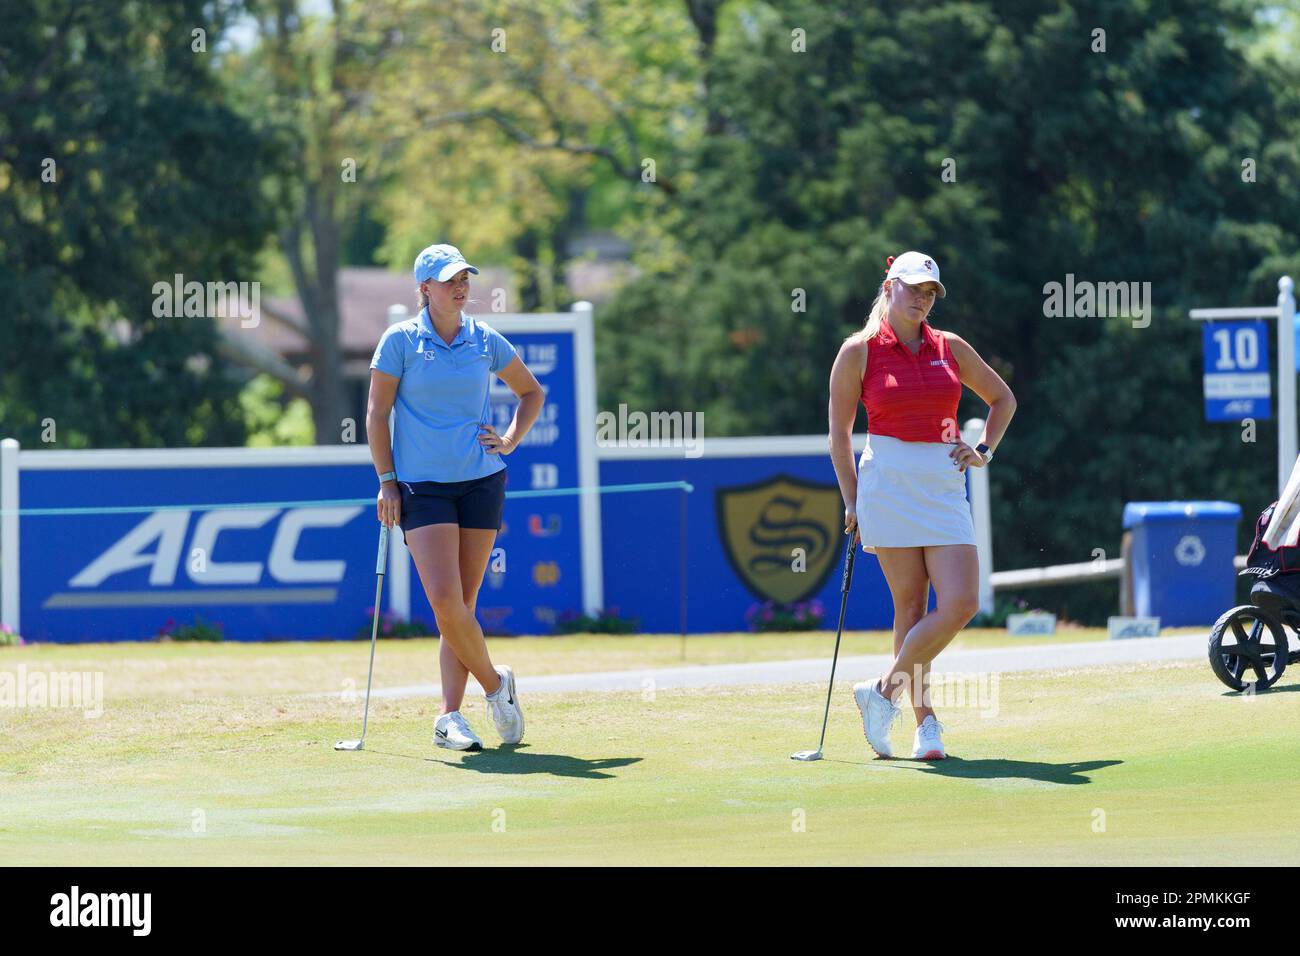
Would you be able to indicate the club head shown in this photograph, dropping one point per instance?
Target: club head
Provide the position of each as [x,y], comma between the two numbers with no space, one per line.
[807,755]
[350,745]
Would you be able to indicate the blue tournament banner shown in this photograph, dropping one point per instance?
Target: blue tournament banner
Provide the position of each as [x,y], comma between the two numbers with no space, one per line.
[749,510]
[1236,370]
[262,572]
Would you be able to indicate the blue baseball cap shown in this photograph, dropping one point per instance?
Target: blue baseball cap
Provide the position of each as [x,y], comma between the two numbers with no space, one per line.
[440,263]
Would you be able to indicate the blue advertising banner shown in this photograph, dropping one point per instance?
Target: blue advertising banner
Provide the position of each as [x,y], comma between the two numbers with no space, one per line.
[742,524]
[261,572]
[1236,365]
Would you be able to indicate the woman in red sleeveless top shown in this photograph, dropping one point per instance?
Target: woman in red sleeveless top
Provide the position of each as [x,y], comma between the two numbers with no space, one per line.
[907,499]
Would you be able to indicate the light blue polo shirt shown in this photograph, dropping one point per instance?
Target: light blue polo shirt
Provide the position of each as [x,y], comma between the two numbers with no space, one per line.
[442,397]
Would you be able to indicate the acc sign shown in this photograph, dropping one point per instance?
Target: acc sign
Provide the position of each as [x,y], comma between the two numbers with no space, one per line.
[158,541]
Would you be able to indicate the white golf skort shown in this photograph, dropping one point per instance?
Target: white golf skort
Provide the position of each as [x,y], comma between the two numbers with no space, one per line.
[910,493]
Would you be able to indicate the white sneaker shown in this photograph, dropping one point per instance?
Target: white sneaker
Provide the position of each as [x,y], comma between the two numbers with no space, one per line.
[452,732]
[927,745]
[878,715]
[506,712]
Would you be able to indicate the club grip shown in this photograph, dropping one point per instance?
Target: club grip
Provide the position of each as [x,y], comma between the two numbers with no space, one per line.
[381,562]
[850,553]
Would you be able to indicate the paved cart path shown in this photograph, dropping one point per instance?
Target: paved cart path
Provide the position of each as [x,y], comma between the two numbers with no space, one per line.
[1038,657]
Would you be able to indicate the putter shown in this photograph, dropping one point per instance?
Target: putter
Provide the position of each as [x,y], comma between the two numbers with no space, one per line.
[851,553]
[380,563]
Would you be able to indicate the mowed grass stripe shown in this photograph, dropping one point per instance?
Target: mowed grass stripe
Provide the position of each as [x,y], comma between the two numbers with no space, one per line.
[1182,772]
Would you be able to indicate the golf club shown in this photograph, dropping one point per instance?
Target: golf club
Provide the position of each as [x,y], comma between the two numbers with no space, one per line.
[849,555]
[380,563]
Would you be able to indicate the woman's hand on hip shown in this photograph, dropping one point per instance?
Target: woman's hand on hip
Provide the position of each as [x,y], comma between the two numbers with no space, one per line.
[389,504]
[963,456]
[493,443]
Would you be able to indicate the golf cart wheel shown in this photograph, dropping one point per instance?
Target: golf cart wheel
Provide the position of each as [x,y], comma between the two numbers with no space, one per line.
[1248,646]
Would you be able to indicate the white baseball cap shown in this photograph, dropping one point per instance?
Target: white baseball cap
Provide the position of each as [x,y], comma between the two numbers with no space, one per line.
[915,268]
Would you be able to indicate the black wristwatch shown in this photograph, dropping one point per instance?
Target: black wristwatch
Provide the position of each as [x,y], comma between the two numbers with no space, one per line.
[984,452]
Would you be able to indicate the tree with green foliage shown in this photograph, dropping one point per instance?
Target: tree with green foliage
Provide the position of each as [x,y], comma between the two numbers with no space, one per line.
[500,126]
[518,124]
[1017,144]
[120,167]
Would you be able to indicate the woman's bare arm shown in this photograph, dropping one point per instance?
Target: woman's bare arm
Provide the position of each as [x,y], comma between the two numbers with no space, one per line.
[981,379]
[528,390]
[842,412]
[383,392]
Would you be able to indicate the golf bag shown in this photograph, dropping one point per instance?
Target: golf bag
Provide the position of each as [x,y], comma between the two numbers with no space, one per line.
[1276,570]
[1265,562]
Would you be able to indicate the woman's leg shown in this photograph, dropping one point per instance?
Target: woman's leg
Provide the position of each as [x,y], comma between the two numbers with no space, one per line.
[954,571]
[436,550]
[904,621]
[909,585]
[453,676]
[475,551]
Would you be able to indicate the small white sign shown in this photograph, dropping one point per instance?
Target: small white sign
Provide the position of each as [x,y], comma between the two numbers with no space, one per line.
[1120,628]
[1022,625]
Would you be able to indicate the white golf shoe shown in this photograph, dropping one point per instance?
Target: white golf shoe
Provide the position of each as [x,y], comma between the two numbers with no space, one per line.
[878,715]
[504,705]
[928,745]
[452,732]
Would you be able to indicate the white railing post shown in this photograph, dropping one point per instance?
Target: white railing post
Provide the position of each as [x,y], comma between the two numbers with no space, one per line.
[982,515]
[1286,412]
[584,360]
[1284,312]
[9,560]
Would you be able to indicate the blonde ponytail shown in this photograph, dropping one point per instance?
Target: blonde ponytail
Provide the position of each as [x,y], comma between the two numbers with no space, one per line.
[879,309]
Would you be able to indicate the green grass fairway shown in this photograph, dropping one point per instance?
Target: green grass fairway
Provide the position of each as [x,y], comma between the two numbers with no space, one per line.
[210,755]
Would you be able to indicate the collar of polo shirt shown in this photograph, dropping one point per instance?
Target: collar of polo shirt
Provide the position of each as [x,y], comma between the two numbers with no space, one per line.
[427,330]
[889,337]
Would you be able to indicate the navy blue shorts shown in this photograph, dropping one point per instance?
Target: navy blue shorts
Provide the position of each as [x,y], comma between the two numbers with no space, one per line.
[476,503]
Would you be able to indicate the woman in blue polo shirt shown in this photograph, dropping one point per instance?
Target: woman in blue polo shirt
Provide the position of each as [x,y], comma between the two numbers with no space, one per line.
[442,474]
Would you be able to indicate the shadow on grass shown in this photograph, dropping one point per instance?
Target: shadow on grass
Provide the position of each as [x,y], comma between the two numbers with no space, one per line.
[1062,773]
[519,760]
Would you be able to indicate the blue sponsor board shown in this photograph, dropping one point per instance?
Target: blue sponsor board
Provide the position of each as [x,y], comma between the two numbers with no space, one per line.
[1236,371]
[263,572]
[757,527]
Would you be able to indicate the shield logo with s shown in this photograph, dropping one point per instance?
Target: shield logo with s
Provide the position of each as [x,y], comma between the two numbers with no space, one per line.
[762,524]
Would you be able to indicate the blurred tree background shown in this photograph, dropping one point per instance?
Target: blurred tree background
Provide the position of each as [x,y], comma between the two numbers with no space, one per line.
[120,166]
[761,159]
[1123,165]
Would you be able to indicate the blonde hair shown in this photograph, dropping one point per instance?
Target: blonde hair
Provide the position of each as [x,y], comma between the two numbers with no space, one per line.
[879,309]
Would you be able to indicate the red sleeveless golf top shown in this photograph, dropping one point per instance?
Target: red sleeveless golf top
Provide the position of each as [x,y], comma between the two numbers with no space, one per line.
[911,397]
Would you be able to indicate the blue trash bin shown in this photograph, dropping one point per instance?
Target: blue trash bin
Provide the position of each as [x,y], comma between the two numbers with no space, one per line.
[1181,553]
